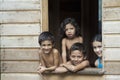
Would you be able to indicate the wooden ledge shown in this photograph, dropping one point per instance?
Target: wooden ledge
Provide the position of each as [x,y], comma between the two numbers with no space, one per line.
[86,71]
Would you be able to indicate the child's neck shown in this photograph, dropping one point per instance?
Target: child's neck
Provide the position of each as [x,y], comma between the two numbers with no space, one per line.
[72,38]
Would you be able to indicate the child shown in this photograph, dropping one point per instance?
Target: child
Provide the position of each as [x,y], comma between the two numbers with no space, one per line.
[97,48]
[70,34]
[77,60]
[49,56]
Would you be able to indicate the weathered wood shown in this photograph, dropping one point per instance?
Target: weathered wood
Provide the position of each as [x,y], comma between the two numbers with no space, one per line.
[111,54]
[19,0]
[111,40]
[17,5]
[20,54]
[111,27]
[86,71]
[44,19]
[19,41]
[20,29]
[20,17]
[18,76]
[112,67]
[73,76]
[19,66]
[111,3]
[111,14]
[112,77]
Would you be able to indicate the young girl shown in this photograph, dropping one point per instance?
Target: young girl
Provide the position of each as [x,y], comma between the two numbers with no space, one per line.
[77,60]
[97,48]
[70,34]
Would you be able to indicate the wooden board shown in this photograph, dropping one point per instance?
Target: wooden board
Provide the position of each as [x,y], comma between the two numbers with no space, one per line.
[111,54]
[20,5]
[112,67]
[111,40]
[20,29]
[73,76]
[19,0]
[20,54]
[111,3]
[19,41]
[19,66]
[111,27]
[111,14]
[19,76]
[44,20]
[20,17]
[112,77]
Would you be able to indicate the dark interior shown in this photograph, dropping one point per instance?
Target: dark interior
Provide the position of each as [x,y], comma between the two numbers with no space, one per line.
[84,11]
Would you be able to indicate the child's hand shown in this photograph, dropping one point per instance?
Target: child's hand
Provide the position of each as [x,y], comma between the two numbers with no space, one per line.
[61,65]
[41,70]
[39,67]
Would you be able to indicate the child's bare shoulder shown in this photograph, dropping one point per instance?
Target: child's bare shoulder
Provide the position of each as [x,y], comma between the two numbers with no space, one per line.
[55,51]
[64,39]
[40,51]
[86,62]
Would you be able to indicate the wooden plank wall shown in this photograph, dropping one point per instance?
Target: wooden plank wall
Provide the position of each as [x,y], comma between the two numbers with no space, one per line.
[111,38]
[20,25]
[21,21]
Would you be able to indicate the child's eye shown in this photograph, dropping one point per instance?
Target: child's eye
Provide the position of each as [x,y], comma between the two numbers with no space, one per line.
[71,28]
[42,44]
[79,57]
[99,46]
[73,56]
[94,47]
[49,44]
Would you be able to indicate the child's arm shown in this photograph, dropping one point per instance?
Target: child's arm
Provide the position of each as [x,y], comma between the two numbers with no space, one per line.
[60,70]
[56,59]
[81,39]
[78,67]
[42,63]
[64,51]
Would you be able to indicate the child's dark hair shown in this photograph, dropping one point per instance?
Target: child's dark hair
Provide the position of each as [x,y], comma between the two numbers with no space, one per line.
[71,21]
[92,57]
[78,46]
[46,36]
[97,37]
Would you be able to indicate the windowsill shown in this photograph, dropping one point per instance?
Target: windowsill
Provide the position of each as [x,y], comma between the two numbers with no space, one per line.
[86,71]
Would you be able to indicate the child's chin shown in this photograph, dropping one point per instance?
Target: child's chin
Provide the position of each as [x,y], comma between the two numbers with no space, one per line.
[46,52]
[99,55]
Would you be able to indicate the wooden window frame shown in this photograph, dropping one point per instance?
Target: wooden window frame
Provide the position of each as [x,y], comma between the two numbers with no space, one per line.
[45,27]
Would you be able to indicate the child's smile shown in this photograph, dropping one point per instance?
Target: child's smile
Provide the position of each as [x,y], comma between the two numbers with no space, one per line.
[46,46]
[97,47]
[76,57]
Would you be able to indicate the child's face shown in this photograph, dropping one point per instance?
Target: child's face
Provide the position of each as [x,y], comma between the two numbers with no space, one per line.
[70,31]
[46,46]
[97,47]
[76,57]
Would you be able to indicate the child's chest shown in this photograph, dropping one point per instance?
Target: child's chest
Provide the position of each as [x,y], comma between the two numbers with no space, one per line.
[49,59]
[69,43]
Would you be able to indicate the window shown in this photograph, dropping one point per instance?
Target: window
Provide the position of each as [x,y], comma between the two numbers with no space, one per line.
[87,13]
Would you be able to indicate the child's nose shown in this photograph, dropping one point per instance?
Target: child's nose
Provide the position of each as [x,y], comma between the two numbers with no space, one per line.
[76,58]
[46,47]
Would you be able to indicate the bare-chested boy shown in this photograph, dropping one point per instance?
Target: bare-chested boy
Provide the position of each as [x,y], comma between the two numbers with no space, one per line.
[77,61]
[49,56]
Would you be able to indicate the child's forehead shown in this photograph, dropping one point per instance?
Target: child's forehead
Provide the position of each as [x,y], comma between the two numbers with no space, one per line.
[46,41]
[76,51]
